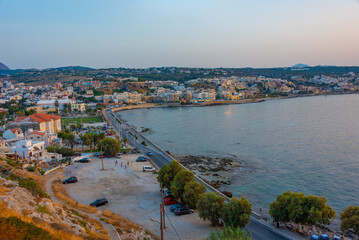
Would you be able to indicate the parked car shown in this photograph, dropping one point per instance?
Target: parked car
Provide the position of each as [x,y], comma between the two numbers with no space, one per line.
[141,159]
[148,169]
[169,201]
[84,160]
[70,180]
[99,202]
[118,155]
[97,154]
[149,153]
[175,206]
[135,150]
[169,195]
[183,210]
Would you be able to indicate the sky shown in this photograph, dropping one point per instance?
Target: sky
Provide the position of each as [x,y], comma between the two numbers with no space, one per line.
[182,33]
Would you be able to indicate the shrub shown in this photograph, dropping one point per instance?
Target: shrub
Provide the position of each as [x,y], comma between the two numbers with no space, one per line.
[31,168]
[15,228]
[30,185]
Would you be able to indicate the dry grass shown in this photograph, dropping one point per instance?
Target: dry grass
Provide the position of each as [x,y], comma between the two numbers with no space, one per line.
[60,192]
[124,224]
[65,232]
[4,190]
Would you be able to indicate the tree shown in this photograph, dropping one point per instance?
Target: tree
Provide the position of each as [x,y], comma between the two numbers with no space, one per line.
[110,146]
[278,209]
[181,179]
[57,105]
[317,211]
[192,192]
[229,233]
[125,141]
[236,213]
[167,174]
[301,209]
[210,206]
[88,139]
[350,219]
[67,137]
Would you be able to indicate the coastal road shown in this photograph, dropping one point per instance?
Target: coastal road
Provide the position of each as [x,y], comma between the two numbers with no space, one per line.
[259,230]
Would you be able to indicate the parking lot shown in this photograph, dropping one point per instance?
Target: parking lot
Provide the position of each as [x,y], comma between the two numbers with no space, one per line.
[133,194]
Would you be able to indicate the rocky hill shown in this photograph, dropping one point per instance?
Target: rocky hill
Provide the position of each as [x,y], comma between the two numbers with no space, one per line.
[28,212]
[3,66]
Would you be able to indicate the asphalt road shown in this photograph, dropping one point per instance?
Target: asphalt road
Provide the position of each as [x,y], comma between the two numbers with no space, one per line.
[259,230]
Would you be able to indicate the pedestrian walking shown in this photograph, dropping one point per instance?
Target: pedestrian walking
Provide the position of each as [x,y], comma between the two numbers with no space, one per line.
[116,163]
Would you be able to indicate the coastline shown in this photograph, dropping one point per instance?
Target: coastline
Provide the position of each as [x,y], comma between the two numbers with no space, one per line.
[219,102]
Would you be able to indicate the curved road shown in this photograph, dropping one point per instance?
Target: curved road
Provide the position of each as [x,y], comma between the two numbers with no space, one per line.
[259,230]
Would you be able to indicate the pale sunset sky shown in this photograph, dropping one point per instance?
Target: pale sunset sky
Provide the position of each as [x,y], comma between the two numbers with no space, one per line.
[183,33]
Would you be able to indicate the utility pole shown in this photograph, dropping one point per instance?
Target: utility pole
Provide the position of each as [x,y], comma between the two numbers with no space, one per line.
[102,156]
[161,207]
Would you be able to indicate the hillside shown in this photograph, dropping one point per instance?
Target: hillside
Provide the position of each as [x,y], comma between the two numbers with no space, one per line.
[28,212]
[3,66]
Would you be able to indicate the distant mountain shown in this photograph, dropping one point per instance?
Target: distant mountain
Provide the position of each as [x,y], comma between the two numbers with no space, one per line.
[75,68]
[3,66]
[300,65]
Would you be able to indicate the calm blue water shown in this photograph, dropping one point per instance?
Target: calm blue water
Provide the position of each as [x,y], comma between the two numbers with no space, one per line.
[306,144]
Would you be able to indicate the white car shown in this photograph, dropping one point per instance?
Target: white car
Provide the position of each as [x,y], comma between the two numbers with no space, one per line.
[148,169]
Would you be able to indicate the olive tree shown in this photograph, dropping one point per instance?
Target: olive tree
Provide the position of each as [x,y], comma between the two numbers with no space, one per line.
[192,192]
[210,207]
[236,213]
[350,219]
[167,174]
[179,182]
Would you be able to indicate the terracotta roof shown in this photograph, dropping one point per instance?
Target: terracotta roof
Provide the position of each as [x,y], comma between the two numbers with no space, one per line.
[37,133]
[16,130]
[38,117]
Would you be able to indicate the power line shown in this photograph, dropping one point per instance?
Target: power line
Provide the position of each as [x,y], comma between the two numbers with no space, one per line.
[173,226]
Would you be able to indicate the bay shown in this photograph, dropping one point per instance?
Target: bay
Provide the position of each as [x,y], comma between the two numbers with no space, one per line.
[308,144]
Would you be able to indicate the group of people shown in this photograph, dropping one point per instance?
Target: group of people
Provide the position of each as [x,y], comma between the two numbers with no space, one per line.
[126,164]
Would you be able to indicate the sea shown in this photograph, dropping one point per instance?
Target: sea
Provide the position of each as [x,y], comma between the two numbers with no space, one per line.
[304,144]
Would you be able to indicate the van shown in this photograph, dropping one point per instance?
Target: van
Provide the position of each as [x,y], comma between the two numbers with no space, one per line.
[148,169]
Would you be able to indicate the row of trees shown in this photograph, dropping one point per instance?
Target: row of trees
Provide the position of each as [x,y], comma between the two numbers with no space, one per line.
[311,210]
[301,209]
[211,206]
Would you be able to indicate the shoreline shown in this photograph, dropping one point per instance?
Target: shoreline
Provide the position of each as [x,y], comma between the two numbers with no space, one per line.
[219,102]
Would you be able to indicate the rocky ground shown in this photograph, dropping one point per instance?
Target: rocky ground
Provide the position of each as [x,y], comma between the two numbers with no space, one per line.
[216,171]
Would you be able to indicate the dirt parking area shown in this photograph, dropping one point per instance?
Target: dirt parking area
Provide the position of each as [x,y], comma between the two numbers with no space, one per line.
[133,194]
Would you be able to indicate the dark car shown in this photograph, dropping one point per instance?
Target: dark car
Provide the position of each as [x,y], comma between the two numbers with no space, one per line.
[135,150]
[175,206]
[84,160]
[141,159]
[70,180]
[149,153]
[183,210]
[99,202]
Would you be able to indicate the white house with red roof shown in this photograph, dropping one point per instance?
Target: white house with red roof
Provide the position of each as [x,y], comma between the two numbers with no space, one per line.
[13,133]
[40,136]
